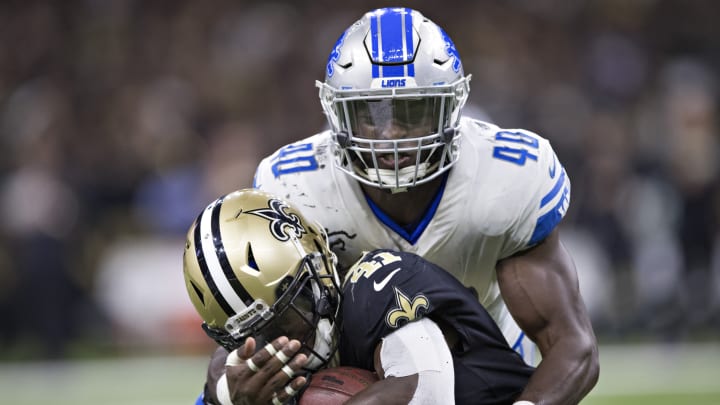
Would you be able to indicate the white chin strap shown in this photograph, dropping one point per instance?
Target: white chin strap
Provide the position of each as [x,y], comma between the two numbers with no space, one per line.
[405,176]
[323,345]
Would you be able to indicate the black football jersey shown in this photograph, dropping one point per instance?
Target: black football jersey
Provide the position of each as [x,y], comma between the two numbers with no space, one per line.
[387,289]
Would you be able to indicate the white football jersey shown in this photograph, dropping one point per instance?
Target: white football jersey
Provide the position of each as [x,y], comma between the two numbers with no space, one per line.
[506,192]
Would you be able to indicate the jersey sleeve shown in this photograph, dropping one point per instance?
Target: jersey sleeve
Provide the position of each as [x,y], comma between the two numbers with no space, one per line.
[555,199]
[542,199]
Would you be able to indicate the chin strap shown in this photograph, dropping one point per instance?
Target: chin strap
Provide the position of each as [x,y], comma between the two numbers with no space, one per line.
[405,175]
[323,345]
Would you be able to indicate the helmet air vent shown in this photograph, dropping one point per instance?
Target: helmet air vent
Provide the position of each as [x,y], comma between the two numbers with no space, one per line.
[198,292]
[251,258]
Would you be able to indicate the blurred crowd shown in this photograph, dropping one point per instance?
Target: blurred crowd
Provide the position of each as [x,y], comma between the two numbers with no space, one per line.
[121,119]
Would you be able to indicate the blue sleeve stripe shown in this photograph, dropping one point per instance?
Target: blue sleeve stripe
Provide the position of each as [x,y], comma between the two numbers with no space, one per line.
[200,400]
[555,190]
[518,347]
[546,223]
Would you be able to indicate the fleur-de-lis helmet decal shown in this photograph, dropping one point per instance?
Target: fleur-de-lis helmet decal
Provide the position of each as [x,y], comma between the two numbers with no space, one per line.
[283,224]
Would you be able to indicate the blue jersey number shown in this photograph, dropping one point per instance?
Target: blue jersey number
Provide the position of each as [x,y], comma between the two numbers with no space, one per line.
[517,147]
[293,159]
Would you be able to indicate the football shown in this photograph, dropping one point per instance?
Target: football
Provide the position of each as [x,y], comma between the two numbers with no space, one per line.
[336,385]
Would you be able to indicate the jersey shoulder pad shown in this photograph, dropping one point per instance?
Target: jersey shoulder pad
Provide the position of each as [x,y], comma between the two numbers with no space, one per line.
[305,158]
[523,177]
[383,291]
[375,266]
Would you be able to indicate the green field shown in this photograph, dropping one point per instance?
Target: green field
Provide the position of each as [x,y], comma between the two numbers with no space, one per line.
[637,375]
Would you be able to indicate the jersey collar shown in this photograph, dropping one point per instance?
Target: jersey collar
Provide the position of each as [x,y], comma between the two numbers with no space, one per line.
[414,230]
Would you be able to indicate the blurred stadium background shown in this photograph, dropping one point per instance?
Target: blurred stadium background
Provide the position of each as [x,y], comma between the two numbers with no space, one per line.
[120,120]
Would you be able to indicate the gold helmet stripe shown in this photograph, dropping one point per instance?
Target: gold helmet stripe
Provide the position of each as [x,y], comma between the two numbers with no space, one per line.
[215,273]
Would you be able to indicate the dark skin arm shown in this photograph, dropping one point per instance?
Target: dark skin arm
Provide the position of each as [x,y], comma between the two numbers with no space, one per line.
[540,288]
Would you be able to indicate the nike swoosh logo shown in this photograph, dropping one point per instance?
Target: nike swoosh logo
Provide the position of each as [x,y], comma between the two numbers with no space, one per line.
[379,286]
[552,169]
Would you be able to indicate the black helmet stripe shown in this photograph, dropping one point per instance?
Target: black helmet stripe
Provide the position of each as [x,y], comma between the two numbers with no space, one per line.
[199,253]
[219,277]
[222,257]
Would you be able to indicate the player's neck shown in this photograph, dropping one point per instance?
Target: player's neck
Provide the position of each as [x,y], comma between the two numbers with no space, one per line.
[405,207]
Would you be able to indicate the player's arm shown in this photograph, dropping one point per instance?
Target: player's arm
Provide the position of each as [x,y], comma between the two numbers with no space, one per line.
[414,365]
[540,288]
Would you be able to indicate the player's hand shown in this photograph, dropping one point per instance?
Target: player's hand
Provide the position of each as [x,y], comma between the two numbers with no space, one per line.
[267,376]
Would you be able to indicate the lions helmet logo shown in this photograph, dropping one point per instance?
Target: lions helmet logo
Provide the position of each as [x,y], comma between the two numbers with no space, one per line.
[335,55]
[451,51]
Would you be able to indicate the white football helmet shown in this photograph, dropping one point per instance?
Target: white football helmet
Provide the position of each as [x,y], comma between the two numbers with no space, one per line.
[393,93]
[254,266]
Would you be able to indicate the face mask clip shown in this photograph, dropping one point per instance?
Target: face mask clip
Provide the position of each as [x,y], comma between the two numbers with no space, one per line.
[249,320]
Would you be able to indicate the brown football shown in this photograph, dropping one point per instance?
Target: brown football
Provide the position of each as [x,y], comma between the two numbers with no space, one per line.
[335,386]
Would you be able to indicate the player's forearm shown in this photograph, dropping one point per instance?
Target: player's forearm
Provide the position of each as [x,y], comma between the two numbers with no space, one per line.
[566,374]
[216,369]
